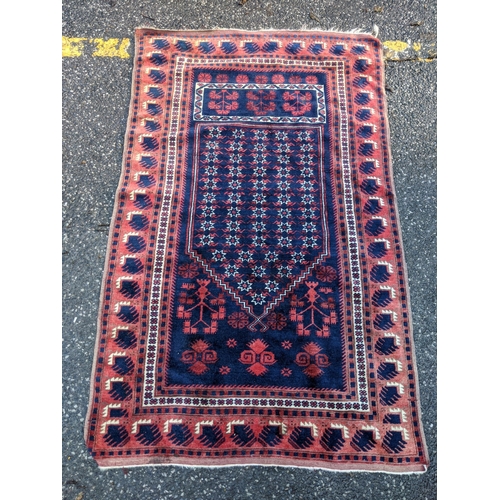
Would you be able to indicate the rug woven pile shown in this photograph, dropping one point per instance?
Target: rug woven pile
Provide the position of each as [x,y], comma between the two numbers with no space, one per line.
[254,306]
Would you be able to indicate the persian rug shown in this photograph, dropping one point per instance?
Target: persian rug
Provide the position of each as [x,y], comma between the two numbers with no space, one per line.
[254,306]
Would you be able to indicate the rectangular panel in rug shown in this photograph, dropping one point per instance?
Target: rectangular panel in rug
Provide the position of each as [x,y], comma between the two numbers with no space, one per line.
[254,304]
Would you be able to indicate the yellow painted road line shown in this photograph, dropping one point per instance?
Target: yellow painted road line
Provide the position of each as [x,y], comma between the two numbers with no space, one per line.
[395,45]
[72,47]
[397,50]
[113,47]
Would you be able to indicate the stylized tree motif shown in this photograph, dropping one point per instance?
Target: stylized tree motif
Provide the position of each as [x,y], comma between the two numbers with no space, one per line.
[200,301]
[307,313]
[298,103]
[223,101]
[259,101]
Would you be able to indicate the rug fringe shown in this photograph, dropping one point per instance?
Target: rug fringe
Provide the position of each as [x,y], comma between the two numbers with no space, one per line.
[294,467]
[357,31]
[354,31]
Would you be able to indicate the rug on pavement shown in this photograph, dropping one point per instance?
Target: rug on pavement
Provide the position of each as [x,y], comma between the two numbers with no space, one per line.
[254,306]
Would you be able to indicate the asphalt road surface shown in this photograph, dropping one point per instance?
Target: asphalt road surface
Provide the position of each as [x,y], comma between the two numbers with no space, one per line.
[97,70]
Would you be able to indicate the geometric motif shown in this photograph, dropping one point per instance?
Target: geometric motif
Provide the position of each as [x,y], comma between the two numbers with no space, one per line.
[254,306]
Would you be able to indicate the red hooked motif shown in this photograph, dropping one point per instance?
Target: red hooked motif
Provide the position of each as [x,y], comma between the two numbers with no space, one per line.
[257,357]
[199,356]
[312,360]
